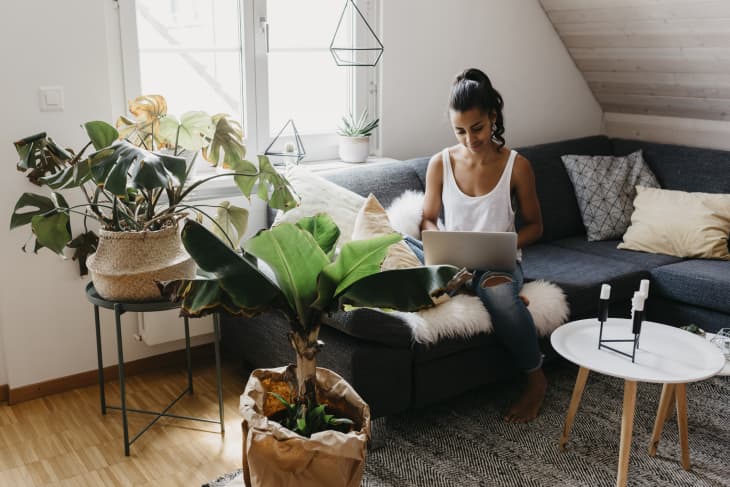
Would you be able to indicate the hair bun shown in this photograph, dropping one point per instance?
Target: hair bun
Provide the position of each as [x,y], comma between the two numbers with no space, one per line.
[474,74]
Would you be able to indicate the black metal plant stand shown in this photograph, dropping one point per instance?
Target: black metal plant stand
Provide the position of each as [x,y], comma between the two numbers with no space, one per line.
[119,309]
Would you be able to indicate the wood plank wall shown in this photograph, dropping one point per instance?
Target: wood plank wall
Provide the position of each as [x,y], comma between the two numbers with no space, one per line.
[655,58]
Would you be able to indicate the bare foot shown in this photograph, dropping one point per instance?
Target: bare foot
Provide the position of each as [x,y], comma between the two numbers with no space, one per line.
[527,407]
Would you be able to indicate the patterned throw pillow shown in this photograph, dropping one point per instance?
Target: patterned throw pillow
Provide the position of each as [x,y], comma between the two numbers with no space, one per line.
[605,187]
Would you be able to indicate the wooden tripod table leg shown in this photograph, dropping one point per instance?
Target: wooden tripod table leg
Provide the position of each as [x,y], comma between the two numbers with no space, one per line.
[665,407]
[580,384]
[681,393]
[627,426]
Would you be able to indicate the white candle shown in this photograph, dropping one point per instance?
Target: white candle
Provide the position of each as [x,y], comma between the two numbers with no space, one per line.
[605,291]
[644,288]
[638,301]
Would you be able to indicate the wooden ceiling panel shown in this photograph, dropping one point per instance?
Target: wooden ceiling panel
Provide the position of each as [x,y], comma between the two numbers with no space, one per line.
[655,57]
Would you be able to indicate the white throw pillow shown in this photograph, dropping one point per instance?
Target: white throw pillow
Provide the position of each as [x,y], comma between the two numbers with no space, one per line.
[689,225]
[372,221]
[321,196]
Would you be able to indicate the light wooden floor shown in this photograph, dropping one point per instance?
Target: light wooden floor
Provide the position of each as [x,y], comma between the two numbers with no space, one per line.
[63,439]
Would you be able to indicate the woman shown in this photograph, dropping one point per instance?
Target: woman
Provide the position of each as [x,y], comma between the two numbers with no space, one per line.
[475,181]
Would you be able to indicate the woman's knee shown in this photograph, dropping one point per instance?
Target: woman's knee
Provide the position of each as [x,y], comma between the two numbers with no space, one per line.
[495,288]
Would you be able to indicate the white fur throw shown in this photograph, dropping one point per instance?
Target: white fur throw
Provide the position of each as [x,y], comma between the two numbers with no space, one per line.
[405,213]
[464,315]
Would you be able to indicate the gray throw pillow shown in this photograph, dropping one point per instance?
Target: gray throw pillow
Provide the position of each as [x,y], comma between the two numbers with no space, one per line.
[605,187]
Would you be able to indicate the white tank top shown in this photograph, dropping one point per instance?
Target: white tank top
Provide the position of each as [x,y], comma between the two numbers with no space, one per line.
[490,212]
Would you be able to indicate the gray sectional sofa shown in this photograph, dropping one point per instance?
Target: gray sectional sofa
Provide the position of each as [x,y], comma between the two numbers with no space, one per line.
[374,350]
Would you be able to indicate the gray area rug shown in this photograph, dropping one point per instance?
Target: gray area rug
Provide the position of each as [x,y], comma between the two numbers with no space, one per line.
[464,442]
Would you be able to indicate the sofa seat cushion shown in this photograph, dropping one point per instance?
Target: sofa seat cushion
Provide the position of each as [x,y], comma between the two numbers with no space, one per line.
[372,325]
[607,248]
[704,283]
[580,275]
[449,346]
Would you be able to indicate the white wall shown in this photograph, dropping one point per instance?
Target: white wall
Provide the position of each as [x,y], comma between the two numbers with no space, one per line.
[3,369]
[45,321]
[428,42]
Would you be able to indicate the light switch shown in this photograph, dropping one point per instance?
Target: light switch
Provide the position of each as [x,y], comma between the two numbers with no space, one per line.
[51,98]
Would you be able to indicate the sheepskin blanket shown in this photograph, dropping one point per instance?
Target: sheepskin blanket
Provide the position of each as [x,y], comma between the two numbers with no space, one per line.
[465,315]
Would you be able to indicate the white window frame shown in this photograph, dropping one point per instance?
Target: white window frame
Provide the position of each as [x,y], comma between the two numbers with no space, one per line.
[362,81]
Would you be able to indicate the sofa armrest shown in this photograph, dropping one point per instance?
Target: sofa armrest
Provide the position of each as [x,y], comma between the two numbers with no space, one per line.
[372,325]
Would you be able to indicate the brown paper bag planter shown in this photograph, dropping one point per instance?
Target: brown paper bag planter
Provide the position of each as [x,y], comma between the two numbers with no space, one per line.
[275,455]
[127,264]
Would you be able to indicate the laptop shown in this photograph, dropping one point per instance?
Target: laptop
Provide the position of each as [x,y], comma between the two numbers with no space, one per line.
[495,251]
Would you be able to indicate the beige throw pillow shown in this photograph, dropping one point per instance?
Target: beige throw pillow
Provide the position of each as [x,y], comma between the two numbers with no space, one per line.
[321,196]
[678,223]
[372,221]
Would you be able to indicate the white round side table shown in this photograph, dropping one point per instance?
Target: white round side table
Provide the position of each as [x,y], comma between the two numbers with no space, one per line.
[666,355]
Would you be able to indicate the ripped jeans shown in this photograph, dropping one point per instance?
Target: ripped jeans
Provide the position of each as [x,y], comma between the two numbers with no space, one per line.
[512,322]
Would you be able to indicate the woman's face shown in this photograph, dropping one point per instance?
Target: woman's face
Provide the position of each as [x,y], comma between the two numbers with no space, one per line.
[473,128]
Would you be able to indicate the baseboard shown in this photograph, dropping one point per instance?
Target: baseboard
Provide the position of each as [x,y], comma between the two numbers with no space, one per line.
[4,392]
[89,378]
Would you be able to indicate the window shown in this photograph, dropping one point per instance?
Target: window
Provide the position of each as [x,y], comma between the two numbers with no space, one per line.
[262,61]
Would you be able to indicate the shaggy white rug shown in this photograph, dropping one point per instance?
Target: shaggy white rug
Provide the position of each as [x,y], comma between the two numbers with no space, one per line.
[464,315]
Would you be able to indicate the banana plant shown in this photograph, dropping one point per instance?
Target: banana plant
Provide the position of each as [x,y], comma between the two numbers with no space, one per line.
[145,157]
[305,281]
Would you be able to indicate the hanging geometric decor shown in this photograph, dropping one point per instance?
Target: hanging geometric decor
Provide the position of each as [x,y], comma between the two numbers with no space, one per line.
[286,147]
[354,42]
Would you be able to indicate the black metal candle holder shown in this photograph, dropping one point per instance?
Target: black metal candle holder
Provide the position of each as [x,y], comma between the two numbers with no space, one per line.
[635,329]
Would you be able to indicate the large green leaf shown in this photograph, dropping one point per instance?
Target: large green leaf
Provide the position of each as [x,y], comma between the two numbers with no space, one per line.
[323,228]
[232,221]
[71,177]
[53,230]
[357,259]
[244,183]
[38,205]
[246,286]
[401,289]
[84,245]
[192,132]
[201,296]
[282,193]
[41,155]
[101,134]
[124,164]
[227,142]
[296,259]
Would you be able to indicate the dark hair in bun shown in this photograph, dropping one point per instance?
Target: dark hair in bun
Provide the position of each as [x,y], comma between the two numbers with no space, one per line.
[472,89]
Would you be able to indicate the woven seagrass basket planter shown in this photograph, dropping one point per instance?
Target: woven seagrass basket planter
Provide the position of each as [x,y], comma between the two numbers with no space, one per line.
[126,265]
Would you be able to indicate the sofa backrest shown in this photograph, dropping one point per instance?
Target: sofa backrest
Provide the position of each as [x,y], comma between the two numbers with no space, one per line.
[680,167]
[560,213]
[386,180]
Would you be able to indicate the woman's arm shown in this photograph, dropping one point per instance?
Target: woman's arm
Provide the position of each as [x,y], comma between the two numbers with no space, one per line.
[432,199]
[523,182]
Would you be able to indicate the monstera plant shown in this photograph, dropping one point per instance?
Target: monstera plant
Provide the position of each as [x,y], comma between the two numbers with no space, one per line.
[293,269]
[137,177]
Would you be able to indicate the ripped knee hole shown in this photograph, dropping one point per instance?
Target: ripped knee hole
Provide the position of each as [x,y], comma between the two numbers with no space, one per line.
[492,281]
